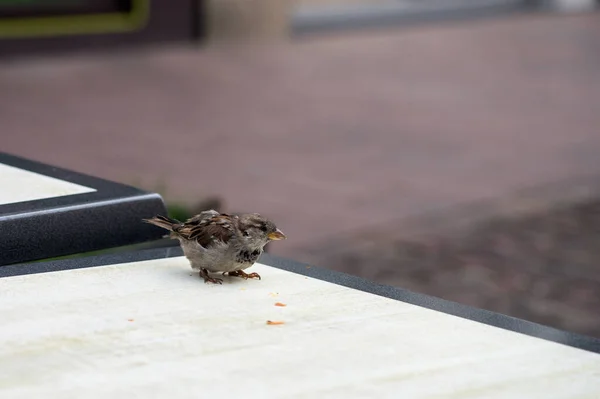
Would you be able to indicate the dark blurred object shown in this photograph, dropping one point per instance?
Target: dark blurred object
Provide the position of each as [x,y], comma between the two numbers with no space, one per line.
[41,8]
[33,27]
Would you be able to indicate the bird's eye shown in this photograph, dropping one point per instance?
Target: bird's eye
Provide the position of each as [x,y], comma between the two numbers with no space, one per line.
[263,228]
[245,233]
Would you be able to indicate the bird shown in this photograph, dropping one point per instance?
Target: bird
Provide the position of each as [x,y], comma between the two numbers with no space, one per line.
[219,242]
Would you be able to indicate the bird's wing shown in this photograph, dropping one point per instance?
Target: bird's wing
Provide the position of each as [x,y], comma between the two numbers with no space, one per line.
[209,228]
[202,216]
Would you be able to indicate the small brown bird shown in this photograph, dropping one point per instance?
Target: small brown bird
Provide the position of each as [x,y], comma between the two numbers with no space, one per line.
[218,242]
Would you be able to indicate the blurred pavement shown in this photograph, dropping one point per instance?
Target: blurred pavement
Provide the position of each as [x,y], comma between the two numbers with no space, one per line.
[329,135]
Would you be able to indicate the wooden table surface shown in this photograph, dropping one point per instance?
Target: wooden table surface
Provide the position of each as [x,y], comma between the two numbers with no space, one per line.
[142,325]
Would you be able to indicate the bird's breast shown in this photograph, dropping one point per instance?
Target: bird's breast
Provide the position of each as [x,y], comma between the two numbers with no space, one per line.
[248,256]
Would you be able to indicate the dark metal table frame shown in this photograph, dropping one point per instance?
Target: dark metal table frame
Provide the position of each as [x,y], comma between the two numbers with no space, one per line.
[108,217]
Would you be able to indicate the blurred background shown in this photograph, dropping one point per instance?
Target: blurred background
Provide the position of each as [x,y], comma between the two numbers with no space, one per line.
[450,147]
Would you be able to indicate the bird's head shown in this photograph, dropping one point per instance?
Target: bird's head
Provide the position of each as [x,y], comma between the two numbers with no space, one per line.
[257,230]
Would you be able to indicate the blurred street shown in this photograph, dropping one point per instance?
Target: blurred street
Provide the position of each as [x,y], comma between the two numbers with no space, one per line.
[325,135]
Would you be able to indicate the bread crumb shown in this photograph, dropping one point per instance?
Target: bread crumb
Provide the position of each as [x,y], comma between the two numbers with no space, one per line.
[273,323]
[280,304]
[129,319]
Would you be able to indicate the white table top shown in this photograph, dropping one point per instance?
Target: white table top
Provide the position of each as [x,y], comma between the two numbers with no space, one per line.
[152,329]
[22,185]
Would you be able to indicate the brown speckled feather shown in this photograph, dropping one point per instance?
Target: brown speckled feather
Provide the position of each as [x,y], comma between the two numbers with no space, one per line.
[206,228]
[206,231]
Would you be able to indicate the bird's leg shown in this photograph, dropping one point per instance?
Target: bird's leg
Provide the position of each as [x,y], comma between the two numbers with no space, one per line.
[204,274]
[244,275]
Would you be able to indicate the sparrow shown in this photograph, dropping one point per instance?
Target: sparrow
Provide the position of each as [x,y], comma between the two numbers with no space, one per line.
[218,242]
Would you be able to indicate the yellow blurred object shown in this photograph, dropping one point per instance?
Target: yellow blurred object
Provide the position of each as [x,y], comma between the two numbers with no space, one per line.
[114,22]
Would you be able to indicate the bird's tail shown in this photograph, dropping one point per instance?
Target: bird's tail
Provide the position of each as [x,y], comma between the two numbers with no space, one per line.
[163,221]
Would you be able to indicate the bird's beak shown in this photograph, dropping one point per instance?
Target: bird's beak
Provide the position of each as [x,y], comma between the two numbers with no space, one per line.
[276,235]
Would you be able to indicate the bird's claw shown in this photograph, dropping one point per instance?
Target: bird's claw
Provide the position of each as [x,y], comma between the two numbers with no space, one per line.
[253,275]
[213,280]
[209,279]
[244,275]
